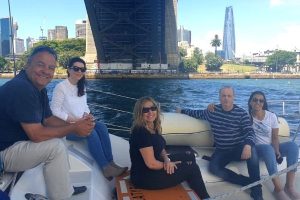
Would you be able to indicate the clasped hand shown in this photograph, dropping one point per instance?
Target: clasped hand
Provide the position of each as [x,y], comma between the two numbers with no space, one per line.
[85,125]
[170,167]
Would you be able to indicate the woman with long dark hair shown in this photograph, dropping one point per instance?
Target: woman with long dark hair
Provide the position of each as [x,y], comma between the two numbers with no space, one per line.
[69,103]
[266,128]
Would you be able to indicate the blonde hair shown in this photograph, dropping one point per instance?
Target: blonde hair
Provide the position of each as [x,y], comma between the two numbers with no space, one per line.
[138,120]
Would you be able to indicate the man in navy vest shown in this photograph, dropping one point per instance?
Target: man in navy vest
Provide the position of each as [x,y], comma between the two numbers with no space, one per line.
[29,133]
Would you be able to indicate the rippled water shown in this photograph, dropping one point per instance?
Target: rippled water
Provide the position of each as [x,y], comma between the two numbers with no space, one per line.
[183,93]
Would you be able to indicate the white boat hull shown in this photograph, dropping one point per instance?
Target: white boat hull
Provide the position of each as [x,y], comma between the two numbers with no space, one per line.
[84,170]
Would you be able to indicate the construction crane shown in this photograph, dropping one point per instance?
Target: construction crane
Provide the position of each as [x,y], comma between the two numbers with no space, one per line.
[42,30]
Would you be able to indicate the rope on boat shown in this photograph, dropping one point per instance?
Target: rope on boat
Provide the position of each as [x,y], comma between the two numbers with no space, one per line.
[123,127]
[118,129]
[118,95]
[262,180]
[110,108]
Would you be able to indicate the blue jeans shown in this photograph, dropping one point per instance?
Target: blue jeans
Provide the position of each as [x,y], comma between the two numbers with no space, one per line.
[98,143]
[267,154]
[221,158]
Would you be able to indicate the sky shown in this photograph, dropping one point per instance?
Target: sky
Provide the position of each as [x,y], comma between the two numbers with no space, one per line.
[259,24]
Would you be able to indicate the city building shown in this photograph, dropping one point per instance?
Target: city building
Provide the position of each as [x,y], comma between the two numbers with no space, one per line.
[51,34]
[59,33]
[29,43]
[80,29]
[134,36]
[5,40]
[184,35]
[19,47]
[229,35]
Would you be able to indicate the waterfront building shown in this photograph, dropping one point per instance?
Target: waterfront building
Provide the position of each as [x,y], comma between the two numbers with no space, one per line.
[29,43]
[142,32]
[59,33]
[184,35]
[19,46]
[229,35]
[80,29]
[5,41]
[51,34]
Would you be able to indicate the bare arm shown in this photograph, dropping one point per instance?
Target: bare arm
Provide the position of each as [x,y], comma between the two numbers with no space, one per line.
[150,160]
[275,140]
[56,128]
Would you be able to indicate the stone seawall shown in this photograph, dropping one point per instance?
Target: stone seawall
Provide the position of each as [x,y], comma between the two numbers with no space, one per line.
[179,76]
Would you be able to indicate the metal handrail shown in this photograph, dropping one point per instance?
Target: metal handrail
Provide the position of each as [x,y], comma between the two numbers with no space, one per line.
[283,102]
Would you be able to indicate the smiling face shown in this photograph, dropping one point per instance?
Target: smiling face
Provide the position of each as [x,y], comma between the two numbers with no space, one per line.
[75,71]
[257,102]
[149,112]
[40,70]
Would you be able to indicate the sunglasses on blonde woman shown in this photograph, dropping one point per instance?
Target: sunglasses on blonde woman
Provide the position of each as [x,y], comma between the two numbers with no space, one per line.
[147,109]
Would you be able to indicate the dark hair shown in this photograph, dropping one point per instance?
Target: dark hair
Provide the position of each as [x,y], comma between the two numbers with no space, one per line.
[81,83]
[39,49]
[265,105]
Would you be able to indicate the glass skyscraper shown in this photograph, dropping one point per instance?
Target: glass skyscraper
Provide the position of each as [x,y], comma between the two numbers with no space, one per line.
[229,35]
[4,37]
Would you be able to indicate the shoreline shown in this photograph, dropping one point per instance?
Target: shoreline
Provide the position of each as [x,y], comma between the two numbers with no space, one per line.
[178,76]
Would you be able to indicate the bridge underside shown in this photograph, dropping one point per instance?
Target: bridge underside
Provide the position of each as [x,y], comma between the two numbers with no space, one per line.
[128,31]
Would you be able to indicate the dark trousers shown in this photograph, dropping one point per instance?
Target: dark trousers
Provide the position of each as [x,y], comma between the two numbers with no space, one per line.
[221,158]
[188,171]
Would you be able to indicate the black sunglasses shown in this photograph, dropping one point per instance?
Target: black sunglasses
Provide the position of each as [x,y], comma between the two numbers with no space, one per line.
[258,100]
[77,69]
[147,109]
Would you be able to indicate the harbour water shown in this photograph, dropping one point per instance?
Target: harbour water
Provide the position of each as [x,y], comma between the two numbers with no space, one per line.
[172,93]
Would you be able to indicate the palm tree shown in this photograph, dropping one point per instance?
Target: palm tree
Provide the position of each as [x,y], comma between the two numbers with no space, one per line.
[216,42]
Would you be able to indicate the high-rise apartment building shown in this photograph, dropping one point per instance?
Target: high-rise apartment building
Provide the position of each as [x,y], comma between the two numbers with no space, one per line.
[51,34]
[80,29]
[19,46]
[59,33]
[29,43]
[5,41]
[184,35]
[229,35]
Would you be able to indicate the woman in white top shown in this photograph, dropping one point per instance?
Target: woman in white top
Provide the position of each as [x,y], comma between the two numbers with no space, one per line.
[265,125]
[69,102]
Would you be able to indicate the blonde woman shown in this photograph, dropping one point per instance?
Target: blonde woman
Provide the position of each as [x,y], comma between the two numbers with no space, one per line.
[152,167]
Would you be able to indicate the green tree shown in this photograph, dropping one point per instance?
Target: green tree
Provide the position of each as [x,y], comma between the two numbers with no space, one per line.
[3,63]
[216,42]
[65,49]
[192,64]
[213,62]
[279,59]
[182,52]
[198,56]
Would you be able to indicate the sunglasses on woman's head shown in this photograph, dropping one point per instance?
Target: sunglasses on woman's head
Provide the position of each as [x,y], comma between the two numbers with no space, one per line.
[255,100]
[77,69]
[147,109]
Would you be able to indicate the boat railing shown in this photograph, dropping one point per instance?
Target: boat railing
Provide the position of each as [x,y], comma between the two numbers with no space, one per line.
[290,110]
[285,104]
